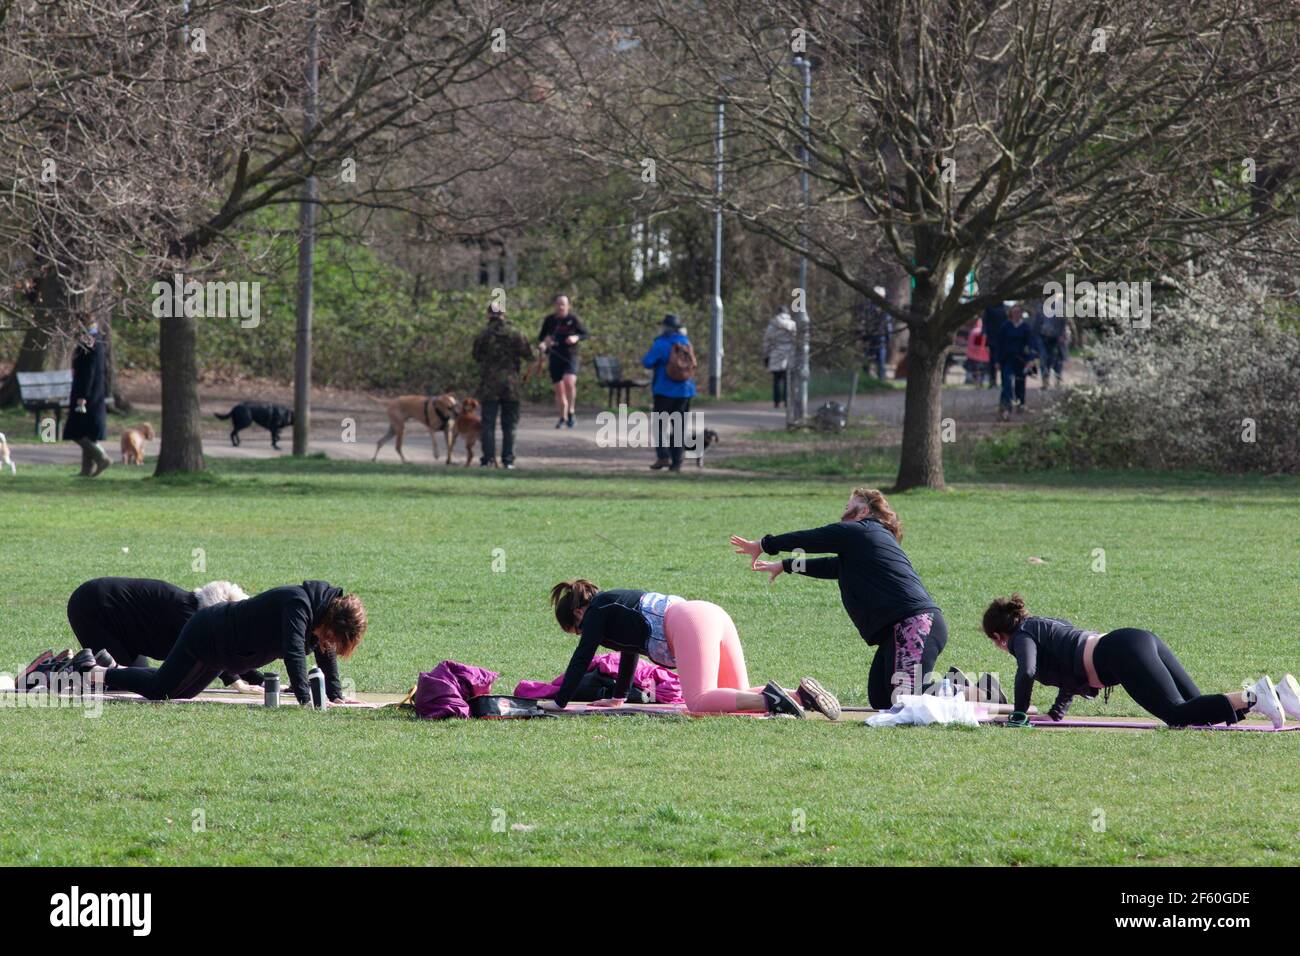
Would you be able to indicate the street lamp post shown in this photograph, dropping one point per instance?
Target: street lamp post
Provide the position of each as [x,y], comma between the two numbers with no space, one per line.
[715,328]
[797,400]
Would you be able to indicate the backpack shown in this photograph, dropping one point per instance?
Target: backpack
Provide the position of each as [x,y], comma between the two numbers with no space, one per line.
[681,362]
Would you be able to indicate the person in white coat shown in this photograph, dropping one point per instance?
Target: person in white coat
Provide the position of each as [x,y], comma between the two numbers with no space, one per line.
[779,343]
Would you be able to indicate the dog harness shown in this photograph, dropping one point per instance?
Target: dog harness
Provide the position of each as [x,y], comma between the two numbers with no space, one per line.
[442,416]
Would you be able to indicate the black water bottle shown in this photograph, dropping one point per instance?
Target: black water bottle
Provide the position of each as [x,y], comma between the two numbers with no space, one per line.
[316,678]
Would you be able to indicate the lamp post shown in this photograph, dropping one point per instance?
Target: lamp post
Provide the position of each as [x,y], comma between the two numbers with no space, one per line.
[796,408]
[306,255]
[715,327]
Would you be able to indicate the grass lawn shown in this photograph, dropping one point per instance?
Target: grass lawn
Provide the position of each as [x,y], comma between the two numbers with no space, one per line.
[1209,564]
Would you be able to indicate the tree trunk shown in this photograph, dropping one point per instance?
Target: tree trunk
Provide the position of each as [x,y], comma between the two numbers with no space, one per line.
[43,347]
[182,444]
[922,459]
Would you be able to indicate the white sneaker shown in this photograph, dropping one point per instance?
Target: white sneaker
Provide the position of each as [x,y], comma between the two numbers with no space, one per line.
[1267,702]
[1288,692]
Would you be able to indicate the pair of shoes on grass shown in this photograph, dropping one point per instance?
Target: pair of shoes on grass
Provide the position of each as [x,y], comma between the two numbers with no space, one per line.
[811,695]
[1275,701]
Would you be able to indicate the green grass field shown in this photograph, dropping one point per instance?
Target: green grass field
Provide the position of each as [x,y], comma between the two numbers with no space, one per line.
[1210,564]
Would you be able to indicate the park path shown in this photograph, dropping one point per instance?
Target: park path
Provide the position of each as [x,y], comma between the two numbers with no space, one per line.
[538,443]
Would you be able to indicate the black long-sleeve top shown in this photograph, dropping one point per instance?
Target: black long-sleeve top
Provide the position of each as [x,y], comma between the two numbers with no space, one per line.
[613,619]
[878,584]
[1049,650]
[561,329]
[278,623]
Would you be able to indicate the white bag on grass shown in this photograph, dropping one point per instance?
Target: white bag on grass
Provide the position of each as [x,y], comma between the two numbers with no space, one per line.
[921,709]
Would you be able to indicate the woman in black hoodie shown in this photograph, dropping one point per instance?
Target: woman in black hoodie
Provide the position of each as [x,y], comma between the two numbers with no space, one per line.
[1080,663]
[286,622]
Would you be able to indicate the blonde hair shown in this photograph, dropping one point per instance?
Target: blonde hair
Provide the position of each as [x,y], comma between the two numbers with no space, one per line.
[219,592]
[880,510]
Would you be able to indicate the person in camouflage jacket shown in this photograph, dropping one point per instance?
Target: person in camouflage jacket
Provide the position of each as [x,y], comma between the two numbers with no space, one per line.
[498,350]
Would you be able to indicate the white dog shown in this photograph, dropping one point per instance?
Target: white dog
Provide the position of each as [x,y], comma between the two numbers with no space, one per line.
[4,456]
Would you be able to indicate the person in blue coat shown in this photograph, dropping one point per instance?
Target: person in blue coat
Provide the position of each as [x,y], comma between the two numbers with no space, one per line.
[88,414]
[1016,346]
[672,398]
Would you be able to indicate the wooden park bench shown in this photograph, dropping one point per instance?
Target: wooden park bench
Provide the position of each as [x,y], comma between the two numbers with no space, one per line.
[609,374]
[46,392]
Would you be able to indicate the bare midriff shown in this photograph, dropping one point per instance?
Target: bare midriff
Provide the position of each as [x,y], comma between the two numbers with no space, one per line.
[1089,647]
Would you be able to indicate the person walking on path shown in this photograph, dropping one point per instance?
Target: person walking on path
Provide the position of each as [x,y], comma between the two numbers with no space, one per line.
[88,417]
[562,330]
[778,353]
[498,350]
[995,316]
[1015,349]
[673,360]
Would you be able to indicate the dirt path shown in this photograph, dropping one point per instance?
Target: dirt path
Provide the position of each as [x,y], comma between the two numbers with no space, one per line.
[538,443]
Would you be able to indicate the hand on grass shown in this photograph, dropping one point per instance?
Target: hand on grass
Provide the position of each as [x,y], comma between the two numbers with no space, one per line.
[608,702]
[743,546]
[774,568]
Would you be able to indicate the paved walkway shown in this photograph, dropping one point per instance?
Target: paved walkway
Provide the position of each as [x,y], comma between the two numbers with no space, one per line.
[538,443]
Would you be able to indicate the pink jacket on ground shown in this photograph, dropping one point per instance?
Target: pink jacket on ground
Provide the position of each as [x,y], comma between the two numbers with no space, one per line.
[649,675]
[445,691]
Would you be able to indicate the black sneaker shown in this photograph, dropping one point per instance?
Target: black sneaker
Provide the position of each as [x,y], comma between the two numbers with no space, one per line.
[659,464]
[560,423]
[82,661]
[571,420]
[779,702]
[105,659]
[509,466]
[813,696]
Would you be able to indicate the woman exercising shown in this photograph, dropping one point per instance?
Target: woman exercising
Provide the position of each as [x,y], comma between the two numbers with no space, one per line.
[696,638]
[881,591]
[286,622]
[126,621]
[1080,663]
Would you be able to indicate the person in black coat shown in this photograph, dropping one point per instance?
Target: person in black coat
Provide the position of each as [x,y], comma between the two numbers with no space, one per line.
[282,623]
[88,415]
[134,619]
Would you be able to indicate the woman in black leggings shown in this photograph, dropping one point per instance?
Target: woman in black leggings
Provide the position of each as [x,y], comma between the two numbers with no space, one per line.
[286,622]
[134,619]
[1053,651]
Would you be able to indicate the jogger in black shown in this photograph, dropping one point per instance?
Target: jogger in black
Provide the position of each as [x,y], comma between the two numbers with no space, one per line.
[880,589]
[1080,663]
[285,622]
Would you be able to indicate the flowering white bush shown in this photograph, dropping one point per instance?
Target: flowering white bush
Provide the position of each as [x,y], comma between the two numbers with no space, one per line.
[1213,384]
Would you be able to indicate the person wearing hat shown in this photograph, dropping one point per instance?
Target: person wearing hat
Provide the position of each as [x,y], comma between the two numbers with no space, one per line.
[498,350]
[672,357]
[88,417]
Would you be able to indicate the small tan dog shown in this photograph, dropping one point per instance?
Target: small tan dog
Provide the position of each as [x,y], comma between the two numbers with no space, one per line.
[468,427]
[133,440]
[436,414]
[5,460]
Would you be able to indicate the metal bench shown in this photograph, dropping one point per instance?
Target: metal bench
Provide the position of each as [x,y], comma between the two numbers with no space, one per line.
[46,392]
[609,374]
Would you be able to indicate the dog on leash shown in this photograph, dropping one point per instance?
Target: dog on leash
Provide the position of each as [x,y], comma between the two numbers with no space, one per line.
[270,416]
[5,460]
[133,440]
[468,427]
[436,414]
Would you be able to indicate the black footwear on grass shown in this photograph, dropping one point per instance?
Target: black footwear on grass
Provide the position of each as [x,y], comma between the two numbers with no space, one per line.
[779,702]
[813,696]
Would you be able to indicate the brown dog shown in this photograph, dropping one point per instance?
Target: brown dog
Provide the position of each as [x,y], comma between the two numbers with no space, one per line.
[436,414]
[133,440]
[468,426]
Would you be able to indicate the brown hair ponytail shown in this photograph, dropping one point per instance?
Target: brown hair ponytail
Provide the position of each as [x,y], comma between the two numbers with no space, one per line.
[569,597]
[1004,615]
[880,510]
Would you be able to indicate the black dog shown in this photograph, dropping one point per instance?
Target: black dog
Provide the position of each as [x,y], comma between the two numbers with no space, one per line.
[269,416]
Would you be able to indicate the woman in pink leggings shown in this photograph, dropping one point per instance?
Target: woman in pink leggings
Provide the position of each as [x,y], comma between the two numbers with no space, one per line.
[696,638]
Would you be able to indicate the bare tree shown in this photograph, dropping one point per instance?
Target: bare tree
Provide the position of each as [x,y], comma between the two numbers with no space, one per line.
[141,135]
[950,136]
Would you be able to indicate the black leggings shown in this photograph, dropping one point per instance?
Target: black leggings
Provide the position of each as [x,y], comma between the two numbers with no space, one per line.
[181,676]
[1147,669]
[778,388]
[906,655]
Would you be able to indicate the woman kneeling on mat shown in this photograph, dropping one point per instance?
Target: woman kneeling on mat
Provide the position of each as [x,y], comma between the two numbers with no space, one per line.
[1055,652]
[881,591]
[127,621]
[287,622]
[696,638]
